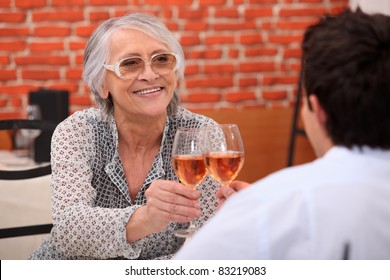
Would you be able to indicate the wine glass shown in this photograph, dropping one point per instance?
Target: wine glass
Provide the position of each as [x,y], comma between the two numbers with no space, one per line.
[188,163]
[224,152]
[33,112]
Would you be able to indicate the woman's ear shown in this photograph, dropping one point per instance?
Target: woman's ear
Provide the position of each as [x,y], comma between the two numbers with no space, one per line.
[104,93]
[318,110]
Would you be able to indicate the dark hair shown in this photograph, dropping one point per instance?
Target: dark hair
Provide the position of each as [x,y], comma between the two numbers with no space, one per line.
[346,64]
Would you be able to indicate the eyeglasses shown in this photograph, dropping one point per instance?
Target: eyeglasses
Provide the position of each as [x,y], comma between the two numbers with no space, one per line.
[131,67]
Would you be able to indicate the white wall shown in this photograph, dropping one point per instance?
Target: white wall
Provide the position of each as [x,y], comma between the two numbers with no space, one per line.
[371,6]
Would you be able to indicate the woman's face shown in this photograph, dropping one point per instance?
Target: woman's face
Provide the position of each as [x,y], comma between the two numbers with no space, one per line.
[146,95]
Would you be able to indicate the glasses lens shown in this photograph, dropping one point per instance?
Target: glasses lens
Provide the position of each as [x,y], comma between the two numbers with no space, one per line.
[131,67]
[163,63]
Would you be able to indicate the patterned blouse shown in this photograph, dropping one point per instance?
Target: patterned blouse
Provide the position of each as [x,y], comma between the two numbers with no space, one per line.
[91,204]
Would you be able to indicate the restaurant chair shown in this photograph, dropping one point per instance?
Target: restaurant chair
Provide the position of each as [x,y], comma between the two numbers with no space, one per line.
[295,129]
[34,172]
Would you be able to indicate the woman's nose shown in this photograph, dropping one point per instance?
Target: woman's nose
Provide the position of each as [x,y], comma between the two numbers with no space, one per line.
[148,73]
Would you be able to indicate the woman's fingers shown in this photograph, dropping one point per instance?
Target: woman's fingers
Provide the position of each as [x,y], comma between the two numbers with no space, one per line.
[172,202]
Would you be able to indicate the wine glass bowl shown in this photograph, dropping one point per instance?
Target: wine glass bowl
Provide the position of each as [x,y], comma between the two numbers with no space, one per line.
[190,169]
[224,152]
[188,163]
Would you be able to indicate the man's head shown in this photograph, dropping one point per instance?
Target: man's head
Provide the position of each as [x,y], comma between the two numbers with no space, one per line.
[346,70]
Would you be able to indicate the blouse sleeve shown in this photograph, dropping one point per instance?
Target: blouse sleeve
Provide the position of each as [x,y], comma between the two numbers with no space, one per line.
[80,229]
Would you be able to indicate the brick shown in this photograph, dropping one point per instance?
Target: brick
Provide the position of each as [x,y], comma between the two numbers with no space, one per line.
[74,74]
[18,89]
[274,95]
[80,100]
[230,26]
[219,39]
[264,1]
[98,15]
[250,39]
[302,12]
[3,102]
[292,53]
[219,68]
[5,3]
[42,60]
[52,31]
[310,1]
[71,87]
[259,66]
[338,9]
[209,3]
[85,31]
[165,3]
[9,115]
[67,3]
[40,75]
[16,102]
[227,13]
[4,60]
[285,39]
[173,26]
[16,32]
[120,12]
[79,59]
[196,26]
[233,53]
[6,75]
[240,96]
[280,80]
[193,14]
[59,15]
[12,17]
[218,82]
[28,4]
[198,97]
[77,45]
[11,46]
[205,54]
[247,82]
[266,25]
[46,46]
[192,69]
[189,40]
[107,2]
[294,25]
[260,51]
[258,12]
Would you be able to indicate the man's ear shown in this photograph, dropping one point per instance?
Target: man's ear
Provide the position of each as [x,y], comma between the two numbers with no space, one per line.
[318,110]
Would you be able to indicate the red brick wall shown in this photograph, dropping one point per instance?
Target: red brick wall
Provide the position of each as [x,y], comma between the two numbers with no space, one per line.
[240,53]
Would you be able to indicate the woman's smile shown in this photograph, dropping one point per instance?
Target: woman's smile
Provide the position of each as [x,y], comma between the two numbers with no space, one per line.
[149,91]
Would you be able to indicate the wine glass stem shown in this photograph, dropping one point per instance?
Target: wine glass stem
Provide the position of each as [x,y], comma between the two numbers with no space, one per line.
[192,224]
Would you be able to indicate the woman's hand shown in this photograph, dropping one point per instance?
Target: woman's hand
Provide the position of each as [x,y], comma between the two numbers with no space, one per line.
[167,201]
[224,192]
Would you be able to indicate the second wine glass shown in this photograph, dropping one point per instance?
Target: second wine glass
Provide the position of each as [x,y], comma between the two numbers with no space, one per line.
[188,163]
[224,152]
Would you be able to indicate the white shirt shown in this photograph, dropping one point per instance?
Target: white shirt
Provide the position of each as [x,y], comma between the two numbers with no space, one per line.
[310,211]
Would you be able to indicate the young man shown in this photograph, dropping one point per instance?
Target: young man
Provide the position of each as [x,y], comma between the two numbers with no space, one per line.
[337,206]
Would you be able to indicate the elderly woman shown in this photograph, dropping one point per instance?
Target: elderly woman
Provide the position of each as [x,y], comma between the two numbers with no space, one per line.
[115,194]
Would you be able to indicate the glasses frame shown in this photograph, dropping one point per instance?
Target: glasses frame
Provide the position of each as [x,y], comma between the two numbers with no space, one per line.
[115,67]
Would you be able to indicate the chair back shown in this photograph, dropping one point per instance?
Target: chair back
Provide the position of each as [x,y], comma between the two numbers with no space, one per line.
[23,175]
